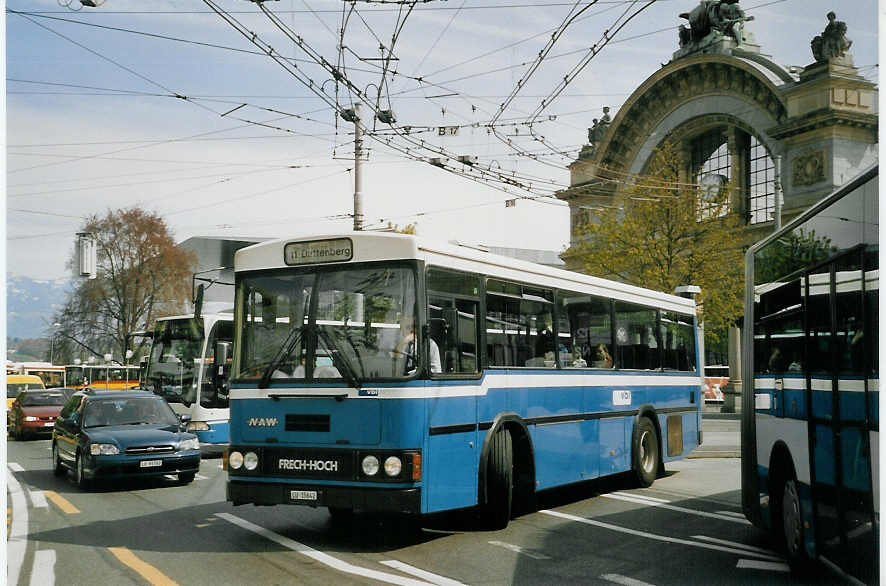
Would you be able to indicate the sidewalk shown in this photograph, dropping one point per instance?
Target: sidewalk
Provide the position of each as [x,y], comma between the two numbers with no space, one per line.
[721,436]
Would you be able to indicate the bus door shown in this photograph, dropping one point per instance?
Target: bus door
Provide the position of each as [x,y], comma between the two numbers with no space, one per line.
[839,418]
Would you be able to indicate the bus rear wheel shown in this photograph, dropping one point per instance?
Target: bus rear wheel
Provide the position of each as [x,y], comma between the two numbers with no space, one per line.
[499,481]
[792,524]
[644,452]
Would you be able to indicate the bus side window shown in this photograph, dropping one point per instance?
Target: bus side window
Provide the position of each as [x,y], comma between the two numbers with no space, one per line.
[452,320]
[636,337]
[585,329]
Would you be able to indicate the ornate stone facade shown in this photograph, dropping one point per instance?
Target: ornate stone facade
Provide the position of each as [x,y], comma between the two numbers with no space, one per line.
[820,122]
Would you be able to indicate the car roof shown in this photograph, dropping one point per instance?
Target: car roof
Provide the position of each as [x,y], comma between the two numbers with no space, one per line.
[23,378]
[95,394]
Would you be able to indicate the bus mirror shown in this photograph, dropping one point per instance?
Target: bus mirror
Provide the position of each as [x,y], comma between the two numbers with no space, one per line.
[222,352]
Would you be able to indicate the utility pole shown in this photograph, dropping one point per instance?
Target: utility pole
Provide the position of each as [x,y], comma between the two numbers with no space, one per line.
[777,192]
[358,176]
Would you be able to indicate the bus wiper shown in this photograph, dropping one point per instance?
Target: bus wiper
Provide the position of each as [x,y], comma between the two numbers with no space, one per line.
[292,338]
[341,363]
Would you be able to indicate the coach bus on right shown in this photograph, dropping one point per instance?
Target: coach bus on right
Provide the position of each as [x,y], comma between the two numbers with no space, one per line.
[810,424]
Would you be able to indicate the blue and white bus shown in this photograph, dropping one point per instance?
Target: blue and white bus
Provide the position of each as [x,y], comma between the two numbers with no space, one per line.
[383,372]
[810,424]
[182,368]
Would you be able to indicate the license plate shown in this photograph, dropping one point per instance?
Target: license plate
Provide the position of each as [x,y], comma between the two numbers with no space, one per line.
[49,424]
[150,463]
[303,495]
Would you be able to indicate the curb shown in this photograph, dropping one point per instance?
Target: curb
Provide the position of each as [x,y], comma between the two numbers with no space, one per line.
[718,415]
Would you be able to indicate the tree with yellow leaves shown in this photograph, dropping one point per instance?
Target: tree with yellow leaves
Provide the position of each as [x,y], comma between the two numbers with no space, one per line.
[660,233]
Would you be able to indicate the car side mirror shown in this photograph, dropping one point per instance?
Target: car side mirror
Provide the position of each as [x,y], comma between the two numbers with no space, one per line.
[183,420]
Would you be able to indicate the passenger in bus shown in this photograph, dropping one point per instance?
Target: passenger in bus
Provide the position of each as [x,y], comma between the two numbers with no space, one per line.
[796,364]
[406,347]
[603,358]
[577,360]
[544,339]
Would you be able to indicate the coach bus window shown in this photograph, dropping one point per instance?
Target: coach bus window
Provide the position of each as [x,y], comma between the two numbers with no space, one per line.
[585,328]
[452,319]
[677,341]
[519,324]
[636,337]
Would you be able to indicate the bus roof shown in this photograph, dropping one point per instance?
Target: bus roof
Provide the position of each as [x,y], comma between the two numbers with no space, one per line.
[376,246]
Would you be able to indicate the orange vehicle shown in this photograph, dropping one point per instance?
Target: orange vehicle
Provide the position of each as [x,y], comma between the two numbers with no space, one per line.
[101,377]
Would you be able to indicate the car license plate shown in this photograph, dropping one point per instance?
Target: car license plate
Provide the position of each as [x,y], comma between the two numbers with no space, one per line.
[49,424]
[303,495]
[150,463]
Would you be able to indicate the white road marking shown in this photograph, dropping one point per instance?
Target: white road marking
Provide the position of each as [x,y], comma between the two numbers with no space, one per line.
[18,533]
[424,575]
[44,568]
[520,550]
[642,496]
[758,565]
[319,556]
[16,467]
[38,499]
[201,477]
[729,518]
[731,514]
[656,537]
[734,544]
[624,580]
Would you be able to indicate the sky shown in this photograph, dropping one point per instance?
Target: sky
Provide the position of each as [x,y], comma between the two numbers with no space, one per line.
[167,105]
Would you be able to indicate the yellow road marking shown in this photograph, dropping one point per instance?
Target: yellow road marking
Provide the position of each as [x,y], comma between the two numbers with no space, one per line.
[202,525]
[61,502]
[146,570]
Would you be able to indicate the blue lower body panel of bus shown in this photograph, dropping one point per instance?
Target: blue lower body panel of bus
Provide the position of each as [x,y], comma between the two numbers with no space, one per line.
[219,432]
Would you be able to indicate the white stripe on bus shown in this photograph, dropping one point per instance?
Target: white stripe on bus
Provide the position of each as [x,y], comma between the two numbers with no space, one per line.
[508,382]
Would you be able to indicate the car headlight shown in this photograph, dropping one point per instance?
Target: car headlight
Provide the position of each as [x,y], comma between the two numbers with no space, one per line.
[197,426]
[103,449]
[370,465]
[30,418]
[250,461]
[189,444]
[393,466]
[235,460]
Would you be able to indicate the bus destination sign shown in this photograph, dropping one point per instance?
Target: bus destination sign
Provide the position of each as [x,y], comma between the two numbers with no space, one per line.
[317,251]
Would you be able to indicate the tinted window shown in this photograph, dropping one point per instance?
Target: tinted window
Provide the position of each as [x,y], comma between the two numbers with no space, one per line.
[636,337]
[128,411]
[37,399]
[519,325]
[585,328]
[677,336]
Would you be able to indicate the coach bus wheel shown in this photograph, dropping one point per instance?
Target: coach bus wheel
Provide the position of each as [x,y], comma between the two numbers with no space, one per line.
[792,523]
[499,480]
[644,452]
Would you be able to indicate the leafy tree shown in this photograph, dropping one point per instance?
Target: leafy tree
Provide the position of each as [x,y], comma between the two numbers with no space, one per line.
[661,233]
[142,275]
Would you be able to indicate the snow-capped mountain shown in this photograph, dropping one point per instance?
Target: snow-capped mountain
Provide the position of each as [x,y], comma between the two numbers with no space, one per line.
[30,305]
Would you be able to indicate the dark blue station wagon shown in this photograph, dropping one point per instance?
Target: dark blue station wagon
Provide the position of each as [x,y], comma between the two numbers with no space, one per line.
[122,434]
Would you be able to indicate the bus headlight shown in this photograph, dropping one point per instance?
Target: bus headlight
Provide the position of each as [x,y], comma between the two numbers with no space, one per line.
[235,460]
[103,449]
[370,465]
[197,426]
[393,466]
[250,461]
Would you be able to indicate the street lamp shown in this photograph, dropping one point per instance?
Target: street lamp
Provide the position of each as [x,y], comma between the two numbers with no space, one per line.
[52,343]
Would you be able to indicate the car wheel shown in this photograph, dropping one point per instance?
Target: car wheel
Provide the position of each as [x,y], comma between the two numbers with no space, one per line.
[186,477]
[79,474]
[57,467]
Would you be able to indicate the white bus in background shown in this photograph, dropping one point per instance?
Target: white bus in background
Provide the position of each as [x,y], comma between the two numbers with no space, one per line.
[186,369]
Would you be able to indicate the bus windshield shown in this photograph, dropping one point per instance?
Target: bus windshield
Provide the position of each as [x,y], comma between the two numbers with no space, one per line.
[74,376]
[175,357]
[352,323]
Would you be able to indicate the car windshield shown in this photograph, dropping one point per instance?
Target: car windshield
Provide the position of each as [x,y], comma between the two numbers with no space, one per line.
[352,323]
[32,399]
[128,411]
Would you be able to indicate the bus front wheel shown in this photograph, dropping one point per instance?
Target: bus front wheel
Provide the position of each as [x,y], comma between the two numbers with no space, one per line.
[644,452]
[499,480]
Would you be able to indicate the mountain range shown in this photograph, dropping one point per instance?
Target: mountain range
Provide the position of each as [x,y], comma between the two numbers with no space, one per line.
[30,305]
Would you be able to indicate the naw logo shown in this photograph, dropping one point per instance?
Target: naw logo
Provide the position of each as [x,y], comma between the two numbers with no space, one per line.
[262,422]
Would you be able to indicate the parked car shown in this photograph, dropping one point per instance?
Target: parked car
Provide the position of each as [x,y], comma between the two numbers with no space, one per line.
[122,434]
[34,412]
[16,383]
[715,378]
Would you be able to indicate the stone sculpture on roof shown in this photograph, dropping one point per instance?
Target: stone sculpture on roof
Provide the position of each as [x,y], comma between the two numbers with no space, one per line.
[832,43]
[720,17]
